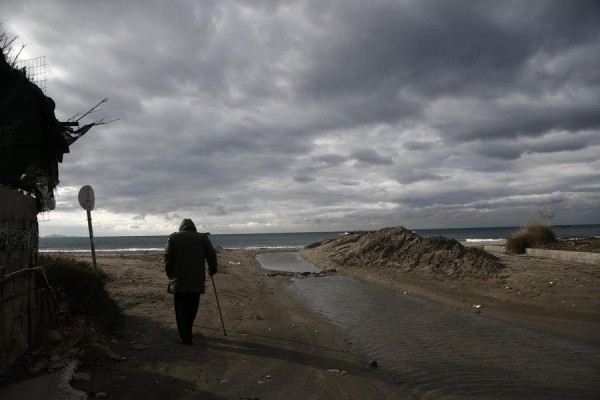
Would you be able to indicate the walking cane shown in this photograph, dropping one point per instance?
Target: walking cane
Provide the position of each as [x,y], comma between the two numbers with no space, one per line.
[218,305]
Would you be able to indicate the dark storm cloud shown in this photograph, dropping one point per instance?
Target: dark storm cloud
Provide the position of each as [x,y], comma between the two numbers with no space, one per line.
[311,115]
[394,51]
[370,157]
[414,145]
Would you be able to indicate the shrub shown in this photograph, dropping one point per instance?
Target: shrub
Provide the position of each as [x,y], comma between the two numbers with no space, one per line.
[82,290]
[531,235]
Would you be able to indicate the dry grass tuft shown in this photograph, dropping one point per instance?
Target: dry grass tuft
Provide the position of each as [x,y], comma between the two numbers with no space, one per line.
[532,235]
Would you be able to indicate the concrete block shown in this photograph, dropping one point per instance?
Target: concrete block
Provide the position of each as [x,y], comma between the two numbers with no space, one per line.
[577,256]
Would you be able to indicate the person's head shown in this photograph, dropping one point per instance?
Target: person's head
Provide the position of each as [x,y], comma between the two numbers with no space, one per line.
[187,225]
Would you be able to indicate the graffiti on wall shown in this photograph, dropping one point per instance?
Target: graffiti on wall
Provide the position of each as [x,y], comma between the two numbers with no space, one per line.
[14,240]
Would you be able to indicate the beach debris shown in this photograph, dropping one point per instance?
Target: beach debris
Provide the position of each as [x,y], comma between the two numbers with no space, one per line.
[325,272]
[100,395]
[477,306]
[261,382]
[268,376]
[337,371]
[234,263]
[373,364]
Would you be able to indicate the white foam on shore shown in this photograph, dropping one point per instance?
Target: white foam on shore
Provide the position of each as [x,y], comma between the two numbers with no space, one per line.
[135,249]
[485,240]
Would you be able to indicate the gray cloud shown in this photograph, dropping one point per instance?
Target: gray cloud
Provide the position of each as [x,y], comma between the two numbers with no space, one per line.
[319,115]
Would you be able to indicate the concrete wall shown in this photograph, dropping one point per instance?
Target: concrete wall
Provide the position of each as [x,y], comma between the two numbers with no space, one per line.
[26,304]
[18,230]
[577,256]
[26,307]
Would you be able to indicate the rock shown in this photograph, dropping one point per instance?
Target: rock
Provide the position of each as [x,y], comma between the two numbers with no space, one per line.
[373,364]
[334,371]
[54,336]
[56,366]
[269,377]
[140,347]
[108,352]
[55,358]
[100,395]
[82,376]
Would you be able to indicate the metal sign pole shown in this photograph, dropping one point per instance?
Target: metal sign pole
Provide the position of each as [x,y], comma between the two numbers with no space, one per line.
[87,201]
[89,218]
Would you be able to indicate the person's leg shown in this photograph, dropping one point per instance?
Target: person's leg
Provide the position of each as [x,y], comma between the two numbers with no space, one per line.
[179,299]
[193,303]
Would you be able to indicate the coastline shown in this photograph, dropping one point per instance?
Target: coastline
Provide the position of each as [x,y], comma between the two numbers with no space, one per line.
[276,347]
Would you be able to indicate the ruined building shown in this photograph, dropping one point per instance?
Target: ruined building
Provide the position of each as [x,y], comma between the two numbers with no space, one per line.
[32,143]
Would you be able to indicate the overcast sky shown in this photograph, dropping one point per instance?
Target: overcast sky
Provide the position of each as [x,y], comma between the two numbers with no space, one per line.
[274,116]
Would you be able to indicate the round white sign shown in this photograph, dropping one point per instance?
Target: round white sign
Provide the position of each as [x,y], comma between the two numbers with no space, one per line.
[86,198]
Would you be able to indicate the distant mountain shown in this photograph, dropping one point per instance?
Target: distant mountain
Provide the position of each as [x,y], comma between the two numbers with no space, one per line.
[54,236]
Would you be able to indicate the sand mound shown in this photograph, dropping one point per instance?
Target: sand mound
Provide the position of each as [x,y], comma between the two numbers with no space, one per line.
[406,251]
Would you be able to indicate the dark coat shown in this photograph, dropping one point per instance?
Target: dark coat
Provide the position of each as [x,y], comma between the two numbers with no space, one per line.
[185,258]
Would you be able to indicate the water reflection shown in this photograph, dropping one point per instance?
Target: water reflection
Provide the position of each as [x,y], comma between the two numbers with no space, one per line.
[285,261]
[438,352]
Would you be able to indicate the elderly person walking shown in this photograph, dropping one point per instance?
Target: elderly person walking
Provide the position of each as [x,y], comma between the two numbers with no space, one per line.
[185,256]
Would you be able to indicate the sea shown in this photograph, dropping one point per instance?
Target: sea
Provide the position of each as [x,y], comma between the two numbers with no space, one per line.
[289,240]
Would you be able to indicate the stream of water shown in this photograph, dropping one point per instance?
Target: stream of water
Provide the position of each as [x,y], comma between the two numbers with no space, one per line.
[438,352]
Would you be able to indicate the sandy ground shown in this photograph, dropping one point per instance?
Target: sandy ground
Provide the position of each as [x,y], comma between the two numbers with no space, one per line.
[276,348]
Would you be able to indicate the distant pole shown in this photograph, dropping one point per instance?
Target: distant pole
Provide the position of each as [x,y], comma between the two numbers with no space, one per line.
[87,200]
[89,219]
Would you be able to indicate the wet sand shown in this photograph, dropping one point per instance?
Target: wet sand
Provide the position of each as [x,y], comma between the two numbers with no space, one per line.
[276,347]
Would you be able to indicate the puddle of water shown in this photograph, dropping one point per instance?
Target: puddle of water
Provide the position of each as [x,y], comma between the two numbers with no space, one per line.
[285,261]
[438,352]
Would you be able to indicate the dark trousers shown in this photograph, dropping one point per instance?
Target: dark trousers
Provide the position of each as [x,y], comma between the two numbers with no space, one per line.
[186,308]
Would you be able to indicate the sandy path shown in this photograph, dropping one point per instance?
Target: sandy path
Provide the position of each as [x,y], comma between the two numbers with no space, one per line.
[275,347]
